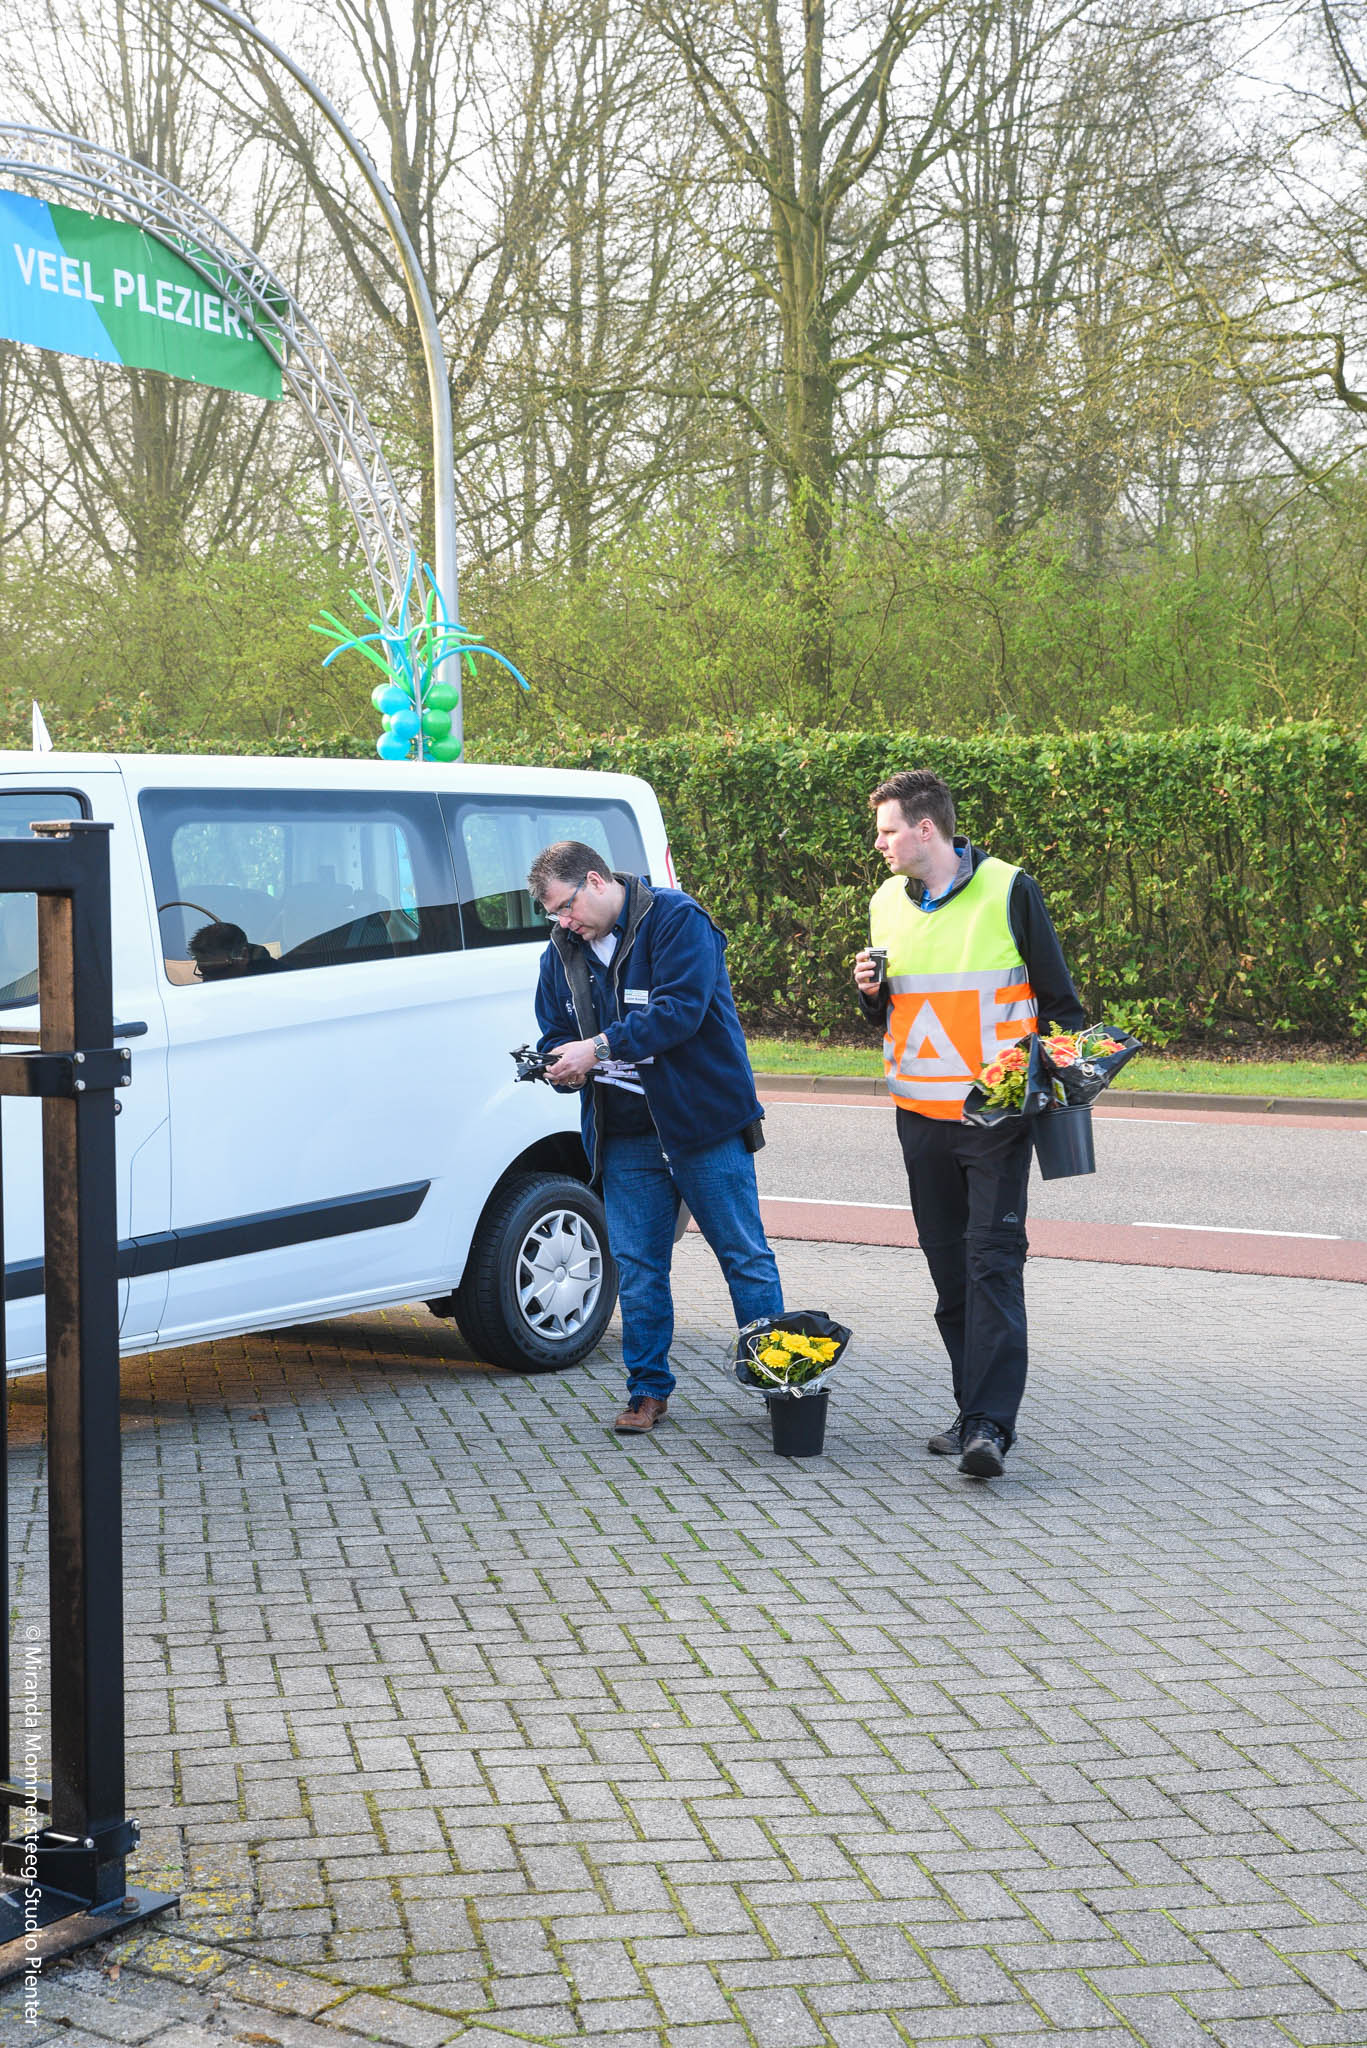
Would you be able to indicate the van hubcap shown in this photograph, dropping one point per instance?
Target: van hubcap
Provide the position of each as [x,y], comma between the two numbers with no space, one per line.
[559,1274]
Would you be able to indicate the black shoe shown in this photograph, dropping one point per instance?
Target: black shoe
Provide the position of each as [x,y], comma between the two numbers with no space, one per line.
[985,1449]
[949,1441]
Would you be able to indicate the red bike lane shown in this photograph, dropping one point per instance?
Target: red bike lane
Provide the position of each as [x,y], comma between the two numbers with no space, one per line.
[1290,1254]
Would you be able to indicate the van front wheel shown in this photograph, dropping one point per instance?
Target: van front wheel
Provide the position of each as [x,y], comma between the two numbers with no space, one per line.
[540,1283]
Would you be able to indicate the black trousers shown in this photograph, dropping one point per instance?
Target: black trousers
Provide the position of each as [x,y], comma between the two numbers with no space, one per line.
[968,1189]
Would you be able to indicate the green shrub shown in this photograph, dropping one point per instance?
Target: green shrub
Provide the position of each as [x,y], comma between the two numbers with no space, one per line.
[1200,881]
[1207,881]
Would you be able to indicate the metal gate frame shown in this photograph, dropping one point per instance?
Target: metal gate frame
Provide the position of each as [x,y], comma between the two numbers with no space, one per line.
[71,1886]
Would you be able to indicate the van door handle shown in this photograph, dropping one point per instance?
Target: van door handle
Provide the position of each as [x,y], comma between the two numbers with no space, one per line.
[129,1031]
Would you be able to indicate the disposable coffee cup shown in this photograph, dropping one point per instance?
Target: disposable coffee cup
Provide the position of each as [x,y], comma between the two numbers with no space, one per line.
[879,956]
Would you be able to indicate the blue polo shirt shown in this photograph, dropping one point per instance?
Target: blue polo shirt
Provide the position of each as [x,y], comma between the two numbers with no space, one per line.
[962,874]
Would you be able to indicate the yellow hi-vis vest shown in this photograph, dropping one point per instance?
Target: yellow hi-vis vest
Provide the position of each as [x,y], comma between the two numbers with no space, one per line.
[959,989]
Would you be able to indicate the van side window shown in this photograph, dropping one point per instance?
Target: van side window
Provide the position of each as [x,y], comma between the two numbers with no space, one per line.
[19,914]
[496,838]
[267,881]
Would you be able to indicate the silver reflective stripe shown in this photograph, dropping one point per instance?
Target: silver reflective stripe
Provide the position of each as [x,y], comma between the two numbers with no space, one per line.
[916,1090]
[988,983]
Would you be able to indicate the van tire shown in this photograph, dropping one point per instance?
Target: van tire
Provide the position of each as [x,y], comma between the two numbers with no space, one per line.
[499,1310]
[463,1312]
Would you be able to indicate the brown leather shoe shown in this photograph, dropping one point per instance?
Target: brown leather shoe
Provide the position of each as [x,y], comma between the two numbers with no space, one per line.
[642,1412]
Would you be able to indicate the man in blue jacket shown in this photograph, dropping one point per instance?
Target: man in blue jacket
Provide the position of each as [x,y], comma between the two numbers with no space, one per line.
[635,1000]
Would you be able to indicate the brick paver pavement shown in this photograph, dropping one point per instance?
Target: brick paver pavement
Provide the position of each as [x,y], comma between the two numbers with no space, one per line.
[454,1717]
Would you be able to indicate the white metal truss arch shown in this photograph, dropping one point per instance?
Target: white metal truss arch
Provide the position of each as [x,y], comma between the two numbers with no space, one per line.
[105,181]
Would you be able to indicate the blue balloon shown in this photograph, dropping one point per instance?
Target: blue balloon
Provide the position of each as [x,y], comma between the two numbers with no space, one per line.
[392,697]
[406,724]
[390,747]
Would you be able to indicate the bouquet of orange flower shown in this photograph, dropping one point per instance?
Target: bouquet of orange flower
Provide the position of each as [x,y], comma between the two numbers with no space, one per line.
[1002,1081]
[1012,1085]
[1048,1068]
[1079,1064]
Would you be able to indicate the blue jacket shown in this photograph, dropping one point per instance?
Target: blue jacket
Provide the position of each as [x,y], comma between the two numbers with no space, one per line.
[674,1014]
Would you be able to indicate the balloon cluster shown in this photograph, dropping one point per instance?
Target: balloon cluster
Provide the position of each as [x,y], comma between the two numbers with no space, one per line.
[415,702]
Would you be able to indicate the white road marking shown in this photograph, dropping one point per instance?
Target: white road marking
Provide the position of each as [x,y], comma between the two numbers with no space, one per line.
[1226,1229]
[779,1100]
[1155,1116]
[1243,1230]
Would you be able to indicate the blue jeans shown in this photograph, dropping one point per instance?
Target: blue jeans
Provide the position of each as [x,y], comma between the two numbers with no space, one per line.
[641,1193]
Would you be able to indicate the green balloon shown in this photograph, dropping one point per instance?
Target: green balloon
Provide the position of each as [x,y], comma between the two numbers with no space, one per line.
[442,696]
[444,750]
[436,724]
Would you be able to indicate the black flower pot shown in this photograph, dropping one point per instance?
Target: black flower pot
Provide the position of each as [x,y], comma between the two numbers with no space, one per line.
[798,1422]
[1063,1141]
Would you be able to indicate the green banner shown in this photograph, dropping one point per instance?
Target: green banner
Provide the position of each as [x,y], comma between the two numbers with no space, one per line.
[85,286]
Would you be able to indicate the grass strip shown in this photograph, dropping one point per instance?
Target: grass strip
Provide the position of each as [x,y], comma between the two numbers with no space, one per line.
[1343,1080]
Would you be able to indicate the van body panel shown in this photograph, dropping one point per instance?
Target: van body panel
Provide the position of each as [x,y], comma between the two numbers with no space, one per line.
[142,1129]
[379,1079]
[297,1145]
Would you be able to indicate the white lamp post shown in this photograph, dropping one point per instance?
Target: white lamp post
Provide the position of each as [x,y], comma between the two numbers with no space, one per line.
[434,355]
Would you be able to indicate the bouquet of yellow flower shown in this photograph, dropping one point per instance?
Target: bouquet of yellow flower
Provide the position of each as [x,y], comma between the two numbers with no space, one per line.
[789,1354]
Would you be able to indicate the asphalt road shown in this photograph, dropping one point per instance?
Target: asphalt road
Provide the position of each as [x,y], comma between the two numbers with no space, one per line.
[1190,1173]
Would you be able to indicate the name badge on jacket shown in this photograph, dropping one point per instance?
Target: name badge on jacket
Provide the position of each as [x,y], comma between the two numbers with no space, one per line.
[635,995]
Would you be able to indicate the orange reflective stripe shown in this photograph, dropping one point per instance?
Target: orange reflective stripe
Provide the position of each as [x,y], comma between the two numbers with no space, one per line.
[947,1112]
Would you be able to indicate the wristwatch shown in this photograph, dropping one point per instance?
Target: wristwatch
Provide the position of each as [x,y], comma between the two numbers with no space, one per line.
[600,1048]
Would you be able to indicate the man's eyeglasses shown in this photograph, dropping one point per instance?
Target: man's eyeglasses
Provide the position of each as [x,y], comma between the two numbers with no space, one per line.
[561,910]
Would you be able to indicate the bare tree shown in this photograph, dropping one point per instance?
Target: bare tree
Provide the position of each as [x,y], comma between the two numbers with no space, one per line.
[449,100]
[1319,174]
[30,487]
[829,128]
[1060,355]
[602,318]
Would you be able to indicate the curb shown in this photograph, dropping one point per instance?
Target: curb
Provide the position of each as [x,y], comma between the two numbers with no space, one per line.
[1128,1098]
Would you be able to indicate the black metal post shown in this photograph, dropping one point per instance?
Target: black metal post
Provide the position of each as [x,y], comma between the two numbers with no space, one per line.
[75,1888]
[89,1834]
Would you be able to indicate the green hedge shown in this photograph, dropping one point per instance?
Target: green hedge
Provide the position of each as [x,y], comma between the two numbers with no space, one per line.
[1202,880]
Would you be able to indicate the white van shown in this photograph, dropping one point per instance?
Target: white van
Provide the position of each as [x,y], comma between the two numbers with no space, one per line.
[320,968]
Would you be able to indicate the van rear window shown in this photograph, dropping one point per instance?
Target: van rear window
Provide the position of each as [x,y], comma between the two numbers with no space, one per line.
[268,881]
[496,839]
[19,914]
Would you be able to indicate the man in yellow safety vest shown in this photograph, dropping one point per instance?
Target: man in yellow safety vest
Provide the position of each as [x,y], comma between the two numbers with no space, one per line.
[971,962]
